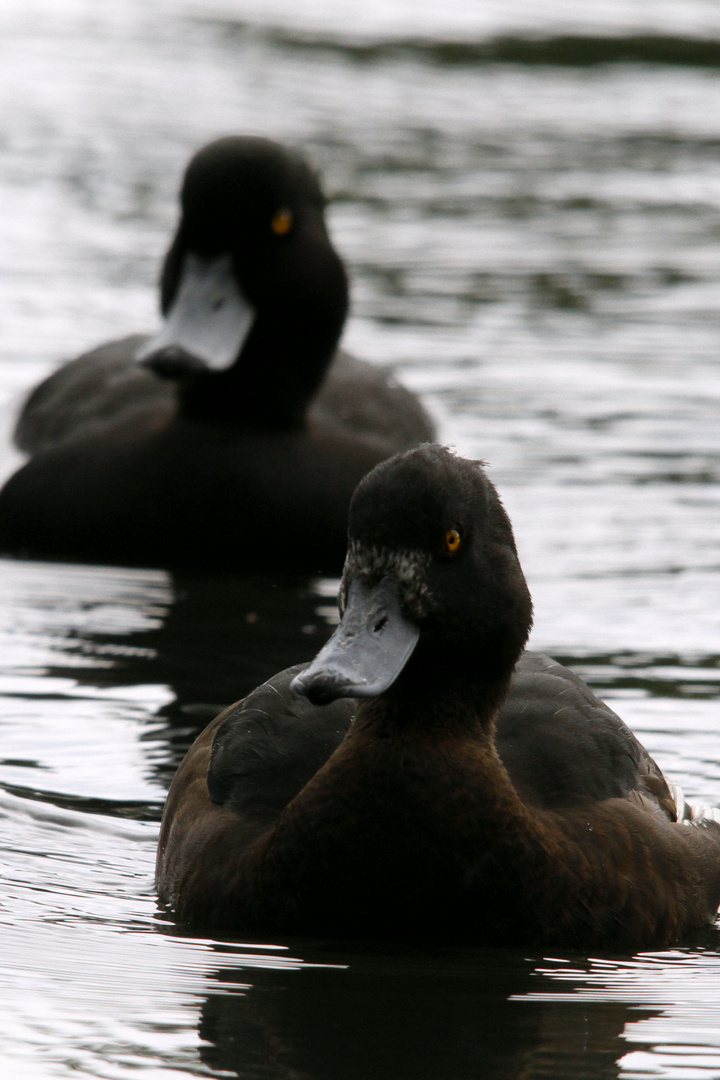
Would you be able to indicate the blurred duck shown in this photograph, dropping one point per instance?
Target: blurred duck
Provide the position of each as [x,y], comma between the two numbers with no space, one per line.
[236,435]
[424,778]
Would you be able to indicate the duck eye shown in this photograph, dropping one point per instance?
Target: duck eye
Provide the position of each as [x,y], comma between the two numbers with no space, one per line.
[452,540]
[281,223]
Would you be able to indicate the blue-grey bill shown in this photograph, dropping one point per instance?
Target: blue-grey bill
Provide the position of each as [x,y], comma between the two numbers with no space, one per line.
[368,650]
[210,317]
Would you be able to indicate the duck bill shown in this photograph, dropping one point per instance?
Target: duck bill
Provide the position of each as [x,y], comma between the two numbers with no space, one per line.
[210,317]
[368,650]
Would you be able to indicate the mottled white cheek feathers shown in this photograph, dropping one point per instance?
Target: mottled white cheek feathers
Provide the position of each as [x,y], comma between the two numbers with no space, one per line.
[408,567]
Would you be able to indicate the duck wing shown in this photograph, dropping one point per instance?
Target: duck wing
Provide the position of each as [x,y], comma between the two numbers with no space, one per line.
[360,398]
[562,745]
[240,774]
[107,386]
[98,389]
[268,746]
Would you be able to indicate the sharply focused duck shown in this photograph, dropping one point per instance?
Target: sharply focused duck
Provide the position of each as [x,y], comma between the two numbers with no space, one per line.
[237,434]
[424,777]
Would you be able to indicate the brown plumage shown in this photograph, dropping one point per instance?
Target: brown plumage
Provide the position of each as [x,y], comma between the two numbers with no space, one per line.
[438,812]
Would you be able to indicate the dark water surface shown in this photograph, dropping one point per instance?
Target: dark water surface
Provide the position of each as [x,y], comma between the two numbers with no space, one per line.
[528,198]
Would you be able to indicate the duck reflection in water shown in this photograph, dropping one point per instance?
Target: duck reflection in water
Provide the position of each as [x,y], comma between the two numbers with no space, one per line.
[424,777]
[394,1013]
[202,638]
[236,436]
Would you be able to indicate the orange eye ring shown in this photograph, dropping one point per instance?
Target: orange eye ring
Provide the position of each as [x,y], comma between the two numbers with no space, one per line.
[282,221]
[452,541]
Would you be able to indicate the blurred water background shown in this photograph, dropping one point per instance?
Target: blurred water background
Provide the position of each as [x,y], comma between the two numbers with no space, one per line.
[528,200]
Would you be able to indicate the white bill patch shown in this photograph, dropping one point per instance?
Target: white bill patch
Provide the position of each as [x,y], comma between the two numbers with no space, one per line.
[210,317]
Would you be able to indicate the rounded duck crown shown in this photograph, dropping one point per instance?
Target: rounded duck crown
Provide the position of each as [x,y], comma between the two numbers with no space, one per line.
[435,522]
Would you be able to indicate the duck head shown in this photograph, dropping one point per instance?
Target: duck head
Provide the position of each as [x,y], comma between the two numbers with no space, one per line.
[432,592]
[251,281]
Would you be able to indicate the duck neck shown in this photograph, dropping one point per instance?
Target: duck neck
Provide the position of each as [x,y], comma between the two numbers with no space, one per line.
[436,701]
[270,385]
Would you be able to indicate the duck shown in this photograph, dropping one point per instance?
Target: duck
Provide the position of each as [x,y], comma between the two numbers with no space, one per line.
[426,777]
[238,432]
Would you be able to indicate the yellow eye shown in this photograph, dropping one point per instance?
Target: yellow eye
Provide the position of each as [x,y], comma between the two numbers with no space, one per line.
[281,223]
[452,540]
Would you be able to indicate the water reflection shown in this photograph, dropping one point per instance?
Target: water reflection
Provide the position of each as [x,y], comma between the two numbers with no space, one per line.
[536,248]
[194,643]
[672,1025]
[222,637]
[459,1014]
